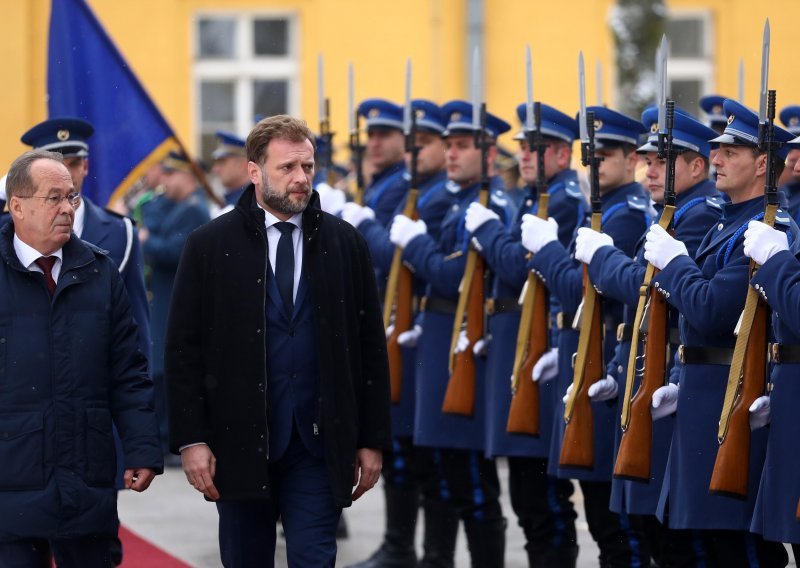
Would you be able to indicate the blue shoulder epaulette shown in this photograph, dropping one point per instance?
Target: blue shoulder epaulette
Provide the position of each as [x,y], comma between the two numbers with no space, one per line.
[573,189]
[637,203]
[782,218]
[498,198]
[715,202]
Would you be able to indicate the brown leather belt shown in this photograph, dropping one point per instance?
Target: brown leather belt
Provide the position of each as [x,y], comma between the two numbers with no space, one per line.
[784,353]
[502,306]
[705,355]
[433,304]
[564,320]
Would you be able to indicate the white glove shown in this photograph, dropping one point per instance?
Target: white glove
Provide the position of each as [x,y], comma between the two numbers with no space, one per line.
[404,230]
[660,248]
[389,330]
[665,401]
[565,398]
[759,410]
[546,368]
[3,194]
[463,342]
[481,347]
[409,338]
[356,214]
[604,389]
[589,242]
[331,200]
[536,233]
[477,215]
[762,242]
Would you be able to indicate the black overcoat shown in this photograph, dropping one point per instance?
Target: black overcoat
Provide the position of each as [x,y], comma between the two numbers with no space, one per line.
[215,355]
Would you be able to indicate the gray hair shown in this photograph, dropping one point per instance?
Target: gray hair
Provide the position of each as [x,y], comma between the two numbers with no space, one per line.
[19,181]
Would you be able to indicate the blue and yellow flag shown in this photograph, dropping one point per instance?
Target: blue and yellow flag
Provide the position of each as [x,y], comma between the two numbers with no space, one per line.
[89,78]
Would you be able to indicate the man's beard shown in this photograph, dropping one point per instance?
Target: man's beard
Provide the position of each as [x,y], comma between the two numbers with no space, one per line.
[282,203]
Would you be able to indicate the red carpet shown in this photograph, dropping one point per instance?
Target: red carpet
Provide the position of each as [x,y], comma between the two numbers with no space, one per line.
[139,553]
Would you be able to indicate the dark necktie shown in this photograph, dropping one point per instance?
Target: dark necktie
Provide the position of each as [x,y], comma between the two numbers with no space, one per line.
[46,264]
[284,265]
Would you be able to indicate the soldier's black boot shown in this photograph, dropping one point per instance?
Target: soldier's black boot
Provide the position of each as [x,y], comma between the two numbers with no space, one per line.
[487,542]
[441,530]
[554,558]
[397,550]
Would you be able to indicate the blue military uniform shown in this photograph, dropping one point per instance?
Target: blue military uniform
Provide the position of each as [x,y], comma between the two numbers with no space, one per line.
[228,144]
[790,193]
[471,479]
[538,500]
[388,187]
[625,216]
[709,295]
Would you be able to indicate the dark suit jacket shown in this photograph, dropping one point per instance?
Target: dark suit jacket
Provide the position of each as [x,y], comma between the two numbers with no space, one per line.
[216,357]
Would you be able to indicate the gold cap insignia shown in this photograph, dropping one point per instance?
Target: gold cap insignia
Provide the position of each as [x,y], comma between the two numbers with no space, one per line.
[716,109]
[62,134]
[455,116]
[654,128]
[419,113]
[373,112]
[794,121]
[731,118]
[598,124]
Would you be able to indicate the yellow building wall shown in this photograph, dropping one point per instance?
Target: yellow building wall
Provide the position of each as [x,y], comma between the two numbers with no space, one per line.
[157,38]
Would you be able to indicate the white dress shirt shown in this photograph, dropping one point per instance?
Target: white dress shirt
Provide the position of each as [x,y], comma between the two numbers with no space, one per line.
[274,235]
[27,256]
[78,220]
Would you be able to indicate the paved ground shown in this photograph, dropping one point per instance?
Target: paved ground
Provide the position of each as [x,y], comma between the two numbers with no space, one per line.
[175,517]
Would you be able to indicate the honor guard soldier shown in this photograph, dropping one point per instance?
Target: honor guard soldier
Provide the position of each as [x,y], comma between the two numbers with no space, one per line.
[541,502]
[470,477]
[698,206]
[715,120]
[709,292]
[385,150]
[412,473]
[789,183]
[625,217]
[230,167]
[778,283]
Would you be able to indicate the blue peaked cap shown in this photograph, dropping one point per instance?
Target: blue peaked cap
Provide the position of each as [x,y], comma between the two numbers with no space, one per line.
[687,132]
[459,120]
[381,113]
[67,135]
[555,124]
[228,144]
[614,128]
[712,105]
[742,128]
[790,117]
[429,116]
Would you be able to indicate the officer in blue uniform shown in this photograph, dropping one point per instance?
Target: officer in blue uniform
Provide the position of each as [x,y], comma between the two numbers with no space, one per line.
[778,283]
[716,121]
[626,215]
[698,206]
[230,167]
[541,502]
[709,293]
[106,229]
[789,183]
[168,219]
[471,478]
[385,152]
[411,473]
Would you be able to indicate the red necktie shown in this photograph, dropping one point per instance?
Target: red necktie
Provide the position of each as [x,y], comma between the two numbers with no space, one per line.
[46,264]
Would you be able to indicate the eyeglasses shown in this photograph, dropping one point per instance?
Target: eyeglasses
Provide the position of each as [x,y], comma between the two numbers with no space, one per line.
[53,201]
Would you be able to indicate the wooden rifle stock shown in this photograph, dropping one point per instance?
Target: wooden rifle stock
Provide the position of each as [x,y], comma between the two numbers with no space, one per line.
[636,445]
[400,296]
[797,513]
[523,415]
[577,447]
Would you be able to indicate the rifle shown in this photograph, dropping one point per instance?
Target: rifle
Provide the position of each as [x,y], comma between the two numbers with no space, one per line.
[747,378]
[577,447]
[356,148]
[460,395]
[400,286]
[532,337]
[325,123]
[651,323]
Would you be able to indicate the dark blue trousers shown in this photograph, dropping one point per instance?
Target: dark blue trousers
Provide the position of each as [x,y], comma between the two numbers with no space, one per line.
[301,498]
[86,552]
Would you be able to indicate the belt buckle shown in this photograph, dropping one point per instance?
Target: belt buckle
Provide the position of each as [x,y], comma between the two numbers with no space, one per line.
[560,320]
[620,331]
[681,358]
[775,351]
[490,307]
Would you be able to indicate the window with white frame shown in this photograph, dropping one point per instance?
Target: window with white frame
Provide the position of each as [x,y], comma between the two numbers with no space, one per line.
[690,66]
[245,67]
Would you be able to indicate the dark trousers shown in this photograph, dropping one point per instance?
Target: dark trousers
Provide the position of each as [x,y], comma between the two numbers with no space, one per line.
[620,541]
[544,512]
[300,495]
[475,494]
[740,549]
[671,548]
[86,552]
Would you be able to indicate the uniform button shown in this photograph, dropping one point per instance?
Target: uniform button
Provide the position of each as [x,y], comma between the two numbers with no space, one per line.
[720,227]
[258,331]
[657,285]
[620,369]
[258,281]
[2,339]
[667,294]
[455,208]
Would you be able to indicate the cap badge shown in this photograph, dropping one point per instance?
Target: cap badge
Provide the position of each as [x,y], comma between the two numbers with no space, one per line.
[455,116]
[598,124]
[731,118]
[716,109]
[419,113]
[373,113]
[62,134]
[654,128]
[794,121]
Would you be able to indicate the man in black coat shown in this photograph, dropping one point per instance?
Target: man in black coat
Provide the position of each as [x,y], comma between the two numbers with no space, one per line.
[276,360]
